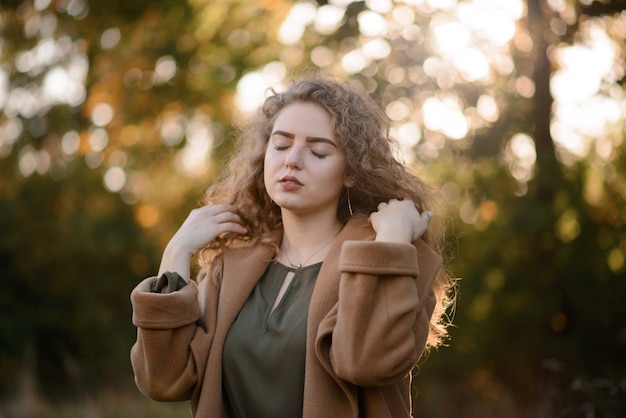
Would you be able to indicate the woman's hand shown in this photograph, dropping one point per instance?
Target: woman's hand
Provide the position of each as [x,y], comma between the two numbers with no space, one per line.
[399,221]
[202,226]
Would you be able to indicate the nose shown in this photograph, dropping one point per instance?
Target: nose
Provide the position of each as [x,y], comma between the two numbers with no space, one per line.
[294,157]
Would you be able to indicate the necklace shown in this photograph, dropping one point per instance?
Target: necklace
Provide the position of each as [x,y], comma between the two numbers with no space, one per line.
[299,265]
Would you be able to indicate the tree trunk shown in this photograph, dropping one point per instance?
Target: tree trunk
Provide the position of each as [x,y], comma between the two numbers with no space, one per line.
[548,173]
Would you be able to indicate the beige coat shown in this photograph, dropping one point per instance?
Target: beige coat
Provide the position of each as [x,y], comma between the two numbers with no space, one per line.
[367,328]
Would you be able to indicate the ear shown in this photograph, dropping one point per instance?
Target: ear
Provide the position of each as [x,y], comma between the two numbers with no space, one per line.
[349,181]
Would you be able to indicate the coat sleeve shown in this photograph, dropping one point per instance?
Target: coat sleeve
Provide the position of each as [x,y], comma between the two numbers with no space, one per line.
[169,326]
[380,325]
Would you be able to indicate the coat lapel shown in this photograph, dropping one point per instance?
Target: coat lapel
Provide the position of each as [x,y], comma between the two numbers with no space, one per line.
[326,291]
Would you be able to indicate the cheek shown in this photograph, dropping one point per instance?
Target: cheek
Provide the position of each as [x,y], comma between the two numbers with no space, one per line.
[270,157]
[335,176]
[267,167]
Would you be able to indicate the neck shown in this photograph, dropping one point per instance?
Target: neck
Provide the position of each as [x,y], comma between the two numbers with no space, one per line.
[306,240]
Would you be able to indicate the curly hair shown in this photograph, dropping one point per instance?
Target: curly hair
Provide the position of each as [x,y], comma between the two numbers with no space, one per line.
[362,131]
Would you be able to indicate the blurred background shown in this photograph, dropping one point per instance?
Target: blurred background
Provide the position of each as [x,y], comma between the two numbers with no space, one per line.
[117,115]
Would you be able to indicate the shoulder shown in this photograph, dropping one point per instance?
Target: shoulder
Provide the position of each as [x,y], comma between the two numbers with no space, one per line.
[358,227]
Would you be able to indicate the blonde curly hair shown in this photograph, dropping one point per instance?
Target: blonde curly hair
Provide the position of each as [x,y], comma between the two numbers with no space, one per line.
[362,131]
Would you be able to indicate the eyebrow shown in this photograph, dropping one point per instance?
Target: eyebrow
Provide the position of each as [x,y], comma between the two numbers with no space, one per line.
[308,138]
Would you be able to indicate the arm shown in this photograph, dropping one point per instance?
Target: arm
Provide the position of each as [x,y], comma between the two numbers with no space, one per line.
[383,314]
[201,227]
[174,332]
[380,325]
[166,323]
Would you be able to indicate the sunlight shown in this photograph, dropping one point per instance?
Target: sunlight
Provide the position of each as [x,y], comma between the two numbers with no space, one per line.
[194,158]
[4,87]
[525,87]
[172,128]
[328,19]
[408,136]
[592,116]
[472,64]
[98,139]
[488,108]
[322,56]
[445,116]
[70,143]
[380,6]
[398,110]
[583,111]
[567,137]
[376,49]
[32,160]
[616,260]
[494,20]
[404,15]
[165,69]
[10,132]
[66,84]
[253,87]
[498,27]
[102,114]
[110,38]
[471,43]
[372,24]
[450,37]
[354,61]
[114,179]
[442,4]
[27,162]
[41,4]
[568,227]
[582,67]
[521,156]
[292,28]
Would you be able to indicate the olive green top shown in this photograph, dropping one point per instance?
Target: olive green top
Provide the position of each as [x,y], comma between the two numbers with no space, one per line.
[264,351]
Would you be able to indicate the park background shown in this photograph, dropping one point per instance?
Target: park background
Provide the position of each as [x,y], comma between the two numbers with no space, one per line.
[117,115]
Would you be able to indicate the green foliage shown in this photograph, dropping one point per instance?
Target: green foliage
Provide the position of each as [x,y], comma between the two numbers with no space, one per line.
[71,254]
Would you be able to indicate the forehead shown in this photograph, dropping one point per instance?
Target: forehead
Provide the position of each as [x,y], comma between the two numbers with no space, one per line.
[305,118]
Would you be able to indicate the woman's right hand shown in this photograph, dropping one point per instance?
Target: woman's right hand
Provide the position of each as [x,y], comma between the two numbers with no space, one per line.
[201,227]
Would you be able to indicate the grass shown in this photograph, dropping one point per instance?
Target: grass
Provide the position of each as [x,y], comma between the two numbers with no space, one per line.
[109,404]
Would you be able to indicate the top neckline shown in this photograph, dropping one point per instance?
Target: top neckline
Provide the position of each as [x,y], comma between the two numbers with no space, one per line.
[296,269]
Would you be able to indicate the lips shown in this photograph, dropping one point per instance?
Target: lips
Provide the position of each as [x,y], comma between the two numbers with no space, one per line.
[290,180]
[290,184]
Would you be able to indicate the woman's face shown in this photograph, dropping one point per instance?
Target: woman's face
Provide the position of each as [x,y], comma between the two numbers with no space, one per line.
[304,167]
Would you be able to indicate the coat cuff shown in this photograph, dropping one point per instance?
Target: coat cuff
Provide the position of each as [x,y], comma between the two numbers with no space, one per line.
[164,310]
[379,258]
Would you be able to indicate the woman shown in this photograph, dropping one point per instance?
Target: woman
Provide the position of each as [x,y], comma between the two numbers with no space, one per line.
[320,284]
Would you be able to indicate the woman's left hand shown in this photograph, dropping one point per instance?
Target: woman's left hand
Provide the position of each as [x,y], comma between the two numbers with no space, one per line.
[399,221]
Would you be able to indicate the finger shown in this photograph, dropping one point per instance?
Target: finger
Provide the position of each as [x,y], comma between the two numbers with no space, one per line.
[231,227]
[227,217]
[217,209]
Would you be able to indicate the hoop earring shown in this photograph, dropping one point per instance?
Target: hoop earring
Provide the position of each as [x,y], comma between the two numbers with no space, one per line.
[349,203]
